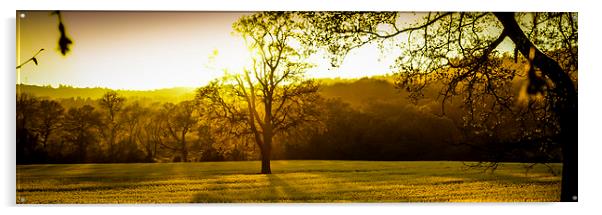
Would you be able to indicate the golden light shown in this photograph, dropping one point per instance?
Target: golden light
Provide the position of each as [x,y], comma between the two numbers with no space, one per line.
[150,50]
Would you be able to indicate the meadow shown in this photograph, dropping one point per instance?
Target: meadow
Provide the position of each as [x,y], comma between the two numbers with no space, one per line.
[291,181]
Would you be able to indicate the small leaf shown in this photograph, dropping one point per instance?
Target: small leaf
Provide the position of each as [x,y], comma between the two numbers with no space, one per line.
[35,60]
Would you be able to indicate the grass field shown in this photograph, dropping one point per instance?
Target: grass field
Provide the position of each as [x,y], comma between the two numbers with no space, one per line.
[291,181]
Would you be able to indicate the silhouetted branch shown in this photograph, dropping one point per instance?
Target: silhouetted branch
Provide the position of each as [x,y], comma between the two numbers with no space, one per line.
[34,59]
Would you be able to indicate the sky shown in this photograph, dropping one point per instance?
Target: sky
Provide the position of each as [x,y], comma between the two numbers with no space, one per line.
[151,50]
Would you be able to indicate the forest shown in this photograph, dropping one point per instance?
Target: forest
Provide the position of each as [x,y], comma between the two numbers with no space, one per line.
[359,119]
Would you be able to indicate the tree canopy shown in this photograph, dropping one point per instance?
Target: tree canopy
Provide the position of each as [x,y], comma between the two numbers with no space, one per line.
[462,51]
[272,95]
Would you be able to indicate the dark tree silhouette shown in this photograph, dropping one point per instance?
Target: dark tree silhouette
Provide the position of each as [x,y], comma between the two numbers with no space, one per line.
[133,118]
[461,51]
[272,95]
[49,116]
[112,104]
[81,127]
[153,135]
[565,105]
[179,121]
[26,140]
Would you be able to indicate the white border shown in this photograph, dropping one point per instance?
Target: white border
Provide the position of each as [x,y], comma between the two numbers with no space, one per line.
[589,104]
[246,5]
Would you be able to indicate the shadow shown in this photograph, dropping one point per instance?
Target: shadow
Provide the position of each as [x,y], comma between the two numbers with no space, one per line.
[54,181]
[275,189]
[303,181]
[384,183]
[282,191]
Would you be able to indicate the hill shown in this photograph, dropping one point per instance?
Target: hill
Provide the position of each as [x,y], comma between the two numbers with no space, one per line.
[174,94]
[359,92]
[356,92]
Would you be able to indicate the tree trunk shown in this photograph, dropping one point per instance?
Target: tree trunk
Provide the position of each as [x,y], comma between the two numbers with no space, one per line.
[45,141]
[184,150]
[184,154]
[266,150]
[81,147]
[565,107]
[111,145]
[265,157]
[154,152]
[268,134]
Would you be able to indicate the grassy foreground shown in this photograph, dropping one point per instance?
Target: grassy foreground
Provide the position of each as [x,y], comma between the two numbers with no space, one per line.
[292,181]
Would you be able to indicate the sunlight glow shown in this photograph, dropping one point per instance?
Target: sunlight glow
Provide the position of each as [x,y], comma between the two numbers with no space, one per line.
[151,50]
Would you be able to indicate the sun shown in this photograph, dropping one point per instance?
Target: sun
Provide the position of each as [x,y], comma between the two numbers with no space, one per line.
[232,57]
[154,50]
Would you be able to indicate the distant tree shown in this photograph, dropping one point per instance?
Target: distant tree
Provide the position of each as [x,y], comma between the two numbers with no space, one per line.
[153,134]
[112,104]
[132,117]
[208,144]
[381,130]
[27,106]
[179,121]
[49,117]
[335,139]
[460,50]
[81,128]
[272,96]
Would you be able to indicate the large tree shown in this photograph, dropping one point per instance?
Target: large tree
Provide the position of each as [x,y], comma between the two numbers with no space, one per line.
[272,95]
[463,52]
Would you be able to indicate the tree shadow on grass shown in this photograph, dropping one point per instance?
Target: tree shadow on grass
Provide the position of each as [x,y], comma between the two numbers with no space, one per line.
[99,177]
[299,184]
[275,189]
[477,186]
[363,184]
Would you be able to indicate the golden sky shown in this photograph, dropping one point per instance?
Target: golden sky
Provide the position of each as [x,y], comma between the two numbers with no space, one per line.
[149,50]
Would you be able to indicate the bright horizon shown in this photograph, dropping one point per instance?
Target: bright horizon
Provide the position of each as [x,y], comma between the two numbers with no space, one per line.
[152,50]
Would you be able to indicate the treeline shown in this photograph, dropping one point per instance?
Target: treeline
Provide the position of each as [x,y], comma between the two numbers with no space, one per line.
[367,119]
[175,94]
[380,131]
[108,130]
